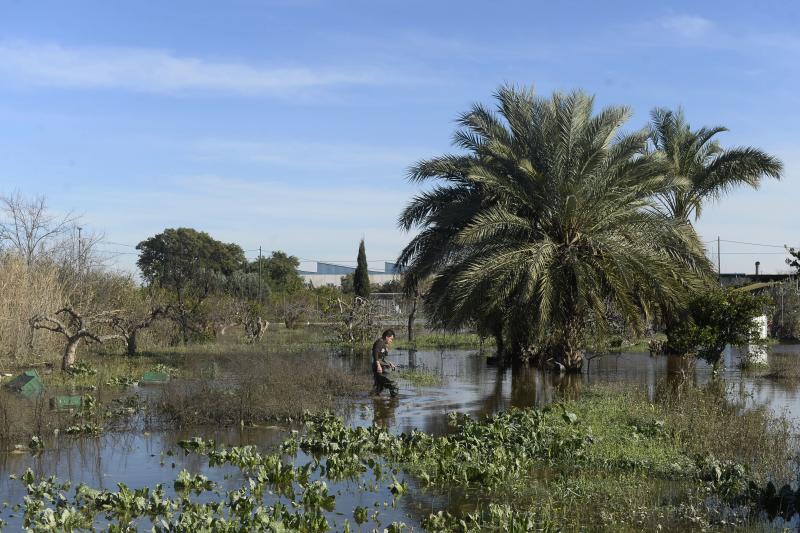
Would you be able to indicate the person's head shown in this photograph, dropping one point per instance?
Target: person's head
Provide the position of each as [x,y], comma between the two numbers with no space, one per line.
[388,337]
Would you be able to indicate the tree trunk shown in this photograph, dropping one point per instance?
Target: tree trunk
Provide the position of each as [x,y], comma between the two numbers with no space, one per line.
[184,327]
[411,317]
[497,333]
[131,342]
[570,355]
[70,352]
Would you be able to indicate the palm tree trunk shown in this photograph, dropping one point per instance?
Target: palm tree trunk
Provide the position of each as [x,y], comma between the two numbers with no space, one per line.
[569,352]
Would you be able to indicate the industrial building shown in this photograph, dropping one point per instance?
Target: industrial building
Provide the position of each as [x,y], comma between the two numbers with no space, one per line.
[331,274]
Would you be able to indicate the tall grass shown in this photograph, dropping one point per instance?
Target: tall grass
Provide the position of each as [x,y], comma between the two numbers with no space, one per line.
[24,292]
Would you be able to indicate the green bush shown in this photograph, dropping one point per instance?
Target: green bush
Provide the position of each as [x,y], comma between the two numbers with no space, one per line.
[713,320]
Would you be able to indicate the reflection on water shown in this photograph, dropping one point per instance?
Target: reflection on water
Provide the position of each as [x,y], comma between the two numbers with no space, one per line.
[469,385]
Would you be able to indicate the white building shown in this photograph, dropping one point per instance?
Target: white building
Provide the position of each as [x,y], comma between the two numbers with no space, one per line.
[331,274]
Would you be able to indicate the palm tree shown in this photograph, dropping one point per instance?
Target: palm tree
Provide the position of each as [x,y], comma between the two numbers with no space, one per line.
[546,217]
[709,170]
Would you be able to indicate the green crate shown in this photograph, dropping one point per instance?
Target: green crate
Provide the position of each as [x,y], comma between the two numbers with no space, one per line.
[66,403]
[154,378]
[28,384]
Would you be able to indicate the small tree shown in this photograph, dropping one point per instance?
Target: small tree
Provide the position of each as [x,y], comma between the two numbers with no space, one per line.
[190,266]
[28,227]
[75,327]
[352,322]
[785,317]
[716,318]
[794,259]
[361,276]
[347,283]
[296,309]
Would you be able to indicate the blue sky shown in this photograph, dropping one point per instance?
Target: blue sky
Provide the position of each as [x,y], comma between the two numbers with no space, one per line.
[290,124]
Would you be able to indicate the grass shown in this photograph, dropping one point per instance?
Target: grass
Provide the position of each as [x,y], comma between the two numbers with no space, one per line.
[443,340]
[223,384]
[420,377]
[783,368]
[252,387]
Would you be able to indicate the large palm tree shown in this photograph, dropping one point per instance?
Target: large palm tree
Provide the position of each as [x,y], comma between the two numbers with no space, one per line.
[546,217]
[709,171]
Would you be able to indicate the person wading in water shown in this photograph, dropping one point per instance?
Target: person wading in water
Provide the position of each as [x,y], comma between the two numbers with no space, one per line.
[380,349]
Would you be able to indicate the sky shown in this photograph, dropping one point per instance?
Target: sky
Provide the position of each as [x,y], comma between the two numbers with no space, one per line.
[290,125]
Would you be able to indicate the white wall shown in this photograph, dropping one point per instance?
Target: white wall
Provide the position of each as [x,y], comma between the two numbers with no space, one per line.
[320,280]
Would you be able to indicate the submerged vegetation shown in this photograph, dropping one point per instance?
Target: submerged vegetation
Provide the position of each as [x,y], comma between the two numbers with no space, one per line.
[420,377]
[611,458]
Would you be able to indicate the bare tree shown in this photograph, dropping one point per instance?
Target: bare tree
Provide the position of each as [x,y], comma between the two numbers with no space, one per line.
[255,327]
[75,327]
[223,312]
[296,310]
[415,290]
[128,327]
[28,228]
[352,322]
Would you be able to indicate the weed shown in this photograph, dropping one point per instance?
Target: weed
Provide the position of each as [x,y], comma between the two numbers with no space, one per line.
[420,378]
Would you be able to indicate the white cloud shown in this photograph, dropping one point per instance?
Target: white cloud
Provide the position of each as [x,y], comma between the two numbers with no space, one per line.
[687,26]
[151,70]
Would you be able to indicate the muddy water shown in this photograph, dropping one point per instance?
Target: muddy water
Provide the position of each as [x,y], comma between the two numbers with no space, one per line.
[469,385]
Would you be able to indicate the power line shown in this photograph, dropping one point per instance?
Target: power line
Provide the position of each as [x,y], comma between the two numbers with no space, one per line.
[118,244]
[756,244]
[752,253]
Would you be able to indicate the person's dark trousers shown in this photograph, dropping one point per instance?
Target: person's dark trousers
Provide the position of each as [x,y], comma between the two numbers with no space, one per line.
[382,381]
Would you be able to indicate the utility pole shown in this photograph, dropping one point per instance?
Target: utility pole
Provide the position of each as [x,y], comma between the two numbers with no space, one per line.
[80,266]
[259,275]
[79,250]
[719,262]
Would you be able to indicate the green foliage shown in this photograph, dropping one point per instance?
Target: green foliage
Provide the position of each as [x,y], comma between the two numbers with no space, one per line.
[189,265]
[715,318]
[86,428]
[279,271]
[794,258]
[361,286]
[393,286]
[81,369]
[784,311]
[420,378]
[548,218]
[347,282]
[186,259]
[709,170]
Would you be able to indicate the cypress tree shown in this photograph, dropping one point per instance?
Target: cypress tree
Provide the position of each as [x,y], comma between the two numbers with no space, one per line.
[361,277]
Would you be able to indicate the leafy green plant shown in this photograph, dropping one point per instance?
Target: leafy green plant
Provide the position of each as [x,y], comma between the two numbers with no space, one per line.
[715,318]
[88,428]
[81,368]
[121,381]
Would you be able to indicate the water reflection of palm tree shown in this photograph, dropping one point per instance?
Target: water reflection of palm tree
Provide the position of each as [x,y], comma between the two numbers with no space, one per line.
[524,380]
[493,402]
[679,369]
[569,385]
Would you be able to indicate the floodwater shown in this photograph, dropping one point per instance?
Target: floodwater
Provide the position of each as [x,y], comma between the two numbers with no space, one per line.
[469,386]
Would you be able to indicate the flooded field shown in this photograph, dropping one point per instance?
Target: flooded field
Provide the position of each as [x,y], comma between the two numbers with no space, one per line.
[468,385]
